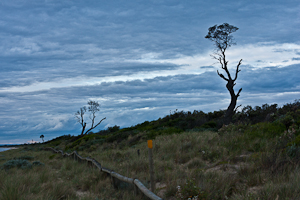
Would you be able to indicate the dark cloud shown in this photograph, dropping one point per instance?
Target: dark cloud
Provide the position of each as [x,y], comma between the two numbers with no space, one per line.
[28,75]
[46,42]
[272,79]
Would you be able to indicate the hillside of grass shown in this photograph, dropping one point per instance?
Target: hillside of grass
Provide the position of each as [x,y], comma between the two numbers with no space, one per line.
[195,156]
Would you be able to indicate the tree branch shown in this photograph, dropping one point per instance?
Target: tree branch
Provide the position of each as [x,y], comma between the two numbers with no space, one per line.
[237,69]
[222,76]
[95,126]
[237,108]
[220,60]
[238,94]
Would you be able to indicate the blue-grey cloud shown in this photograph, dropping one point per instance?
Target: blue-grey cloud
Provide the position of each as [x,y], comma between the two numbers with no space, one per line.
[69,43]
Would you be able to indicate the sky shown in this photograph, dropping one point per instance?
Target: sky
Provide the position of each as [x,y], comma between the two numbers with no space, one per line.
[140,60]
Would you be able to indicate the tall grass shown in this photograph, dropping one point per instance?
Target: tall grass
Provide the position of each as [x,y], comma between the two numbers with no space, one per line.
[237,162]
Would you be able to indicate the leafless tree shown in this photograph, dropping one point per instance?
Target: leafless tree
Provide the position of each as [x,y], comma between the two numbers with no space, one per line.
[80,118]
[93,109]
[222,39]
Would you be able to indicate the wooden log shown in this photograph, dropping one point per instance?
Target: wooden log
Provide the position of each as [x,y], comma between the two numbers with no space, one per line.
[97,164]
[93,164]
[122,178]
[80,159]
[145,190]
[107,171]
[88,161]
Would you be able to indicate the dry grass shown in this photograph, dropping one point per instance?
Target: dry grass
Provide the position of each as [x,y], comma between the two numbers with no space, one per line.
[222,166]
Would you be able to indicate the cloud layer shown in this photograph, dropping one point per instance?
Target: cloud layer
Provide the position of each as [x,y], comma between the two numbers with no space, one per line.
[138,60]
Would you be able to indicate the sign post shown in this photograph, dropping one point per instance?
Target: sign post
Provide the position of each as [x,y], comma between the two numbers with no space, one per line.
[150,146]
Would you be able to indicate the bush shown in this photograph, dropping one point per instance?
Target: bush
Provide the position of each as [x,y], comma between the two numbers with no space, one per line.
[265,130]
[164,131]
[211,124]
[293,151]
[37,163]
[190,191]
[52,156]
[23,164]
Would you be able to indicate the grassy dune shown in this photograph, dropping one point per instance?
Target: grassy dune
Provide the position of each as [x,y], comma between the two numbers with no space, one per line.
[237,162]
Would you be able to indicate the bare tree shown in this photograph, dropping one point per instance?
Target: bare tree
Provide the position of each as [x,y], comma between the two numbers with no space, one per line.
[220,35]
[93,109]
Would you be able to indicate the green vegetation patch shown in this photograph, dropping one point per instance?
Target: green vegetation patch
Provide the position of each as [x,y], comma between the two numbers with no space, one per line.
[265,130]
[92,138]
[23,164]
[24,158]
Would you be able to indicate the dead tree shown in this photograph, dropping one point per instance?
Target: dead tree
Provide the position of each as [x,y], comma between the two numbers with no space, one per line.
[93,109]
[220,35]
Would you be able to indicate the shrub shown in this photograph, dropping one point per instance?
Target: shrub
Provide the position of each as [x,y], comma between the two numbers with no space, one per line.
[190,191]
[211,124]
[293,151]
[23,164]
[52,156]
[37,163]
[265,130]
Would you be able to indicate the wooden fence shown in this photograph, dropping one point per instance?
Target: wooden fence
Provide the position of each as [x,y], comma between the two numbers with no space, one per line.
[137,184]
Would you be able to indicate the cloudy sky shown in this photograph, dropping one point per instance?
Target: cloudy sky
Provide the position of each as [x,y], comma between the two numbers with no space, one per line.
[138,59]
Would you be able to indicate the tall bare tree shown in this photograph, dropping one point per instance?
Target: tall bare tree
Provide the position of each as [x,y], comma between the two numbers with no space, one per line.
[222,39]
[93,109]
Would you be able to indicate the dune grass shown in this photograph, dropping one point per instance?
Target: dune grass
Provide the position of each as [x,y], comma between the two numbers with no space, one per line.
[237,162]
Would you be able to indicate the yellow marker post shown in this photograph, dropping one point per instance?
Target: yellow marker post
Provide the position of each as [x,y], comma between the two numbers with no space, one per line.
[150,146]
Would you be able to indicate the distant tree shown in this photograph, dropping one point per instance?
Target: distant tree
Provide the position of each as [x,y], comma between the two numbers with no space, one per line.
[42,136]
[222,39]
[93,108]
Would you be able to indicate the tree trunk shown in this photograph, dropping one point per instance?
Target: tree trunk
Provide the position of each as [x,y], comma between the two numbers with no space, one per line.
[230,110]
[83,128]
[232,106]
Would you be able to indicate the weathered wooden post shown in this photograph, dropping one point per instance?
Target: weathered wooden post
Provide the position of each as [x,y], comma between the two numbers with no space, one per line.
[150,146]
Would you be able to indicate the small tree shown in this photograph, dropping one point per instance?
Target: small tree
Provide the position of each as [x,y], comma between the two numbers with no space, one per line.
[42,136]
[93,109]
[220,35]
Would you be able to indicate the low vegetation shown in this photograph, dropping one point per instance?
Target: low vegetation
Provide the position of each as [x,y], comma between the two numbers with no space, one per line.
[256,157]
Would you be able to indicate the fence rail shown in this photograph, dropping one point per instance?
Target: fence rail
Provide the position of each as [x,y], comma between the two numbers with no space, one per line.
[137,184]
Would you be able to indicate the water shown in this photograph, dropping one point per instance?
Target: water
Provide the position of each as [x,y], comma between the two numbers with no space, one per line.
[4,149]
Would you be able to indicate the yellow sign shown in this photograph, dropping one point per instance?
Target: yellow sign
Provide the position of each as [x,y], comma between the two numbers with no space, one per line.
[150,145]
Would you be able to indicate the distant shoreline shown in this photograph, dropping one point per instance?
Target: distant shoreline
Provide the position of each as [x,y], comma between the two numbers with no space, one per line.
[6,148]
[9,145]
